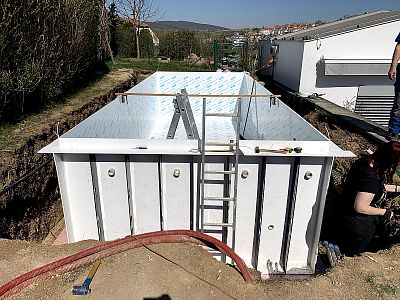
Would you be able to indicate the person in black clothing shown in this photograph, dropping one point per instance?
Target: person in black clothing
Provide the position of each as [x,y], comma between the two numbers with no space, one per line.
[394,121]
[362,196]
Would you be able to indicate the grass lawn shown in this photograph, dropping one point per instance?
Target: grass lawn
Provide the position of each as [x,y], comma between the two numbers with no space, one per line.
[154,65]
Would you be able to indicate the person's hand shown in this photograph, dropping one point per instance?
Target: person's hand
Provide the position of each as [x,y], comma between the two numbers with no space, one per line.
[392,72]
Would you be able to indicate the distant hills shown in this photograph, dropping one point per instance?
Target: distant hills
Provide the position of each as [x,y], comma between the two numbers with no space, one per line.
[183,25]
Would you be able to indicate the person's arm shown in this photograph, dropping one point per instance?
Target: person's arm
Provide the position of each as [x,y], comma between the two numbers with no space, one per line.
[395,59]
[362,205]
[392,188]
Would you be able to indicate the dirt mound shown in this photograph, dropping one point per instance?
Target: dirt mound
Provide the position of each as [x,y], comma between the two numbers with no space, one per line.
[141,274]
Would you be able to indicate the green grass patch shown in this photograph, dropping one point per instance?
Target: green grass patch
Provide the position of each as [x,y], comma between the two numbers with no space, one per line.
[155,65]
[5,131]
[387,288]
[382,288]
[370,279]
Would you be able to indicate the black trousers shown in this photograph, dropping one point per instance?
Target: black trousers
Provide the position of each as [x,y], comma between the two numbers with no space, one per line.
[356,233]
[394,120]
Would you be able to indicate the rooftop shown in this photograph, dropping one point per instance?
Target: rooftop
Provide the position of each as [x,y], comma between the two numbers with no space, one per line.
[344,25]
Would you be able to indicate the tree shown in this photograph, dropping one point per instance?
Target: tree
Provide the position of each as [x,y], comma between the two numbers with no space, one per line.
[138,11]
[146,44]
[180,44]
[113,21]
[104,28]
[46,48]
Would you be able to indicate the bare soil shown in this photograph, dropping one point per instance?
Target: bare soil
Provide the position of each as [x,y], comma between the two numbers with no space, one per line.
[141,274]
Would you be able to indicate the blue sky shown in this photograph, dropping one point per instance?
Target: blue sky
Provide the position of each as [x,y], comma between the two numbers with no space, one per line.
[257,13]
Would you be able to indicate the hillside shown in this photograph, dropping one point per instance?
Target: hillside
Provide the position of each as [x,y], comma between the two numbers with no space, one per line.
[184,25]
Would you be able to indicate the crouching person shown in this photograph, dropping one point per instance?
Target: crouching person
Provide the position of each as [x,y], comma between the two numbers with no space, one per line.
[360,205]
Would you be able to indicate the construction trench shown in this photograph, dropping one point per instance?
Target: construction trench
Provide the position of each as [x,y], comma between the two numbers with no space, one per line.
[30,203]
[31,206]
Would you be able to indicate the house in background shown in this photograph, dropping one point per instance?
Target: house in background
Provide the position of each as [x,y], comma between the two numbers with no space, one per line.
[144,26]
[346,62]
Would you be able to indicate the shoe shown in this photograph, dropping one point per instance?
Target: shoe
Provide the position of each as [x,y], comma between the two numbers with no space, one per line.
[394,137]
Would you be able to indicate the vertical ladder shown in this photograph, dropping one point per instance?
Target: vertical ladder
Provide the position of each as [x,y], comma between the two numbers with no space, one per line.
[229,200]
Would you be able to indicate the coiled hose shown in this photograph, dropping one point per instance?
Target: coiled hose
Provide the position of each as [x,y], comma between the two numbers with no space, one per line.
[110,248]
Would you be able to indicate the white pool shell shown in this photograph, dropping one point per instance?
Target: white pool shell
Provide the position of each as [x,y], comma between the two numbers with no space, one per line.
[280,203]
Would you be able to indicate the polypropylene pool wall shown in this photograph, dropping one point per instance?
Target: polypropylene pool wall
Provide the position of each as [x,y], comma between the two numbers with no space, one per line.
[118,175]
[149,117]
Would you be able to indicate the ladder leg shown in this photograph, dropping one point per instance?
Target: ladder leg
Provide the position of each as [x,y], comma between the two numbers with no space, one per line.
[235,184]
[174,122]
[203,162]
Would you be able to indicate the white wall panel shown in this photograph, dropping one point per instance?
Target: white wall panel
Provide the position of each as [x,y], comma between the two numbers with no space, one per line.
[303,235]
[145,193]
[113,196]
[176,192]
[246,209]
[276,192]
[75,180]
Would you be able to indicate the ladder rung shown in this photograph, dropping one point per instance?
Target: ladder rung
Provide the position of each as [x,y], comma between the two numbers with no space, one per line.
[213,231]
[216,253]
[221,115]
[219,198]
[219,224]
[219,172]
[215,207]
[220,144]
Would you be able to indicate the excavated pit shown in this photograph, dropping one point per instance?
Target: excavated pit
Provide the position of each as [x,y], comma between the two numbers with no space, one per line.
[348,139]
[30,204]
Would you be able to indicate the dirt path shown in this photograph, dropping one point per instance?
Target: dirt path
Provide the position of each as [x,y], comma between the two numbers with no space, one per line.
[140,274]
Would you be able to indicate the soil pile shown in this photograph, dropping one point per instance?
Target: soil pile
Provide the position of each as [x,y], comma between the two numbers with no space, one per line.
[141,274]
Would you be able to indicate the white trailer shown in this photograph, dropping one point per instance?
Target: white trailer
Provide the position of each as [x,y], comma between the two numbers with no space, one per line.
[119,174]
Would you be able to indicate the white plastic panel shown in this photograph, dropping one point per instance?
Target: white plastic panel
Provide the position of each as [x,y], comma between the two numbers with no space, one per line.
[305,216]
[113,196]
[145,193]
[149,117]
[320,205]
[176,192]
[276,192]
[133,119]
[75,180]
[246,209]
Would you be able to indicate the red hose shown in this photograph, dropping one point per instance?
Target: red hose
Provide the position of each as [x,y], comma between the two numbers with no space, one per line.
[117,246]
[25,280]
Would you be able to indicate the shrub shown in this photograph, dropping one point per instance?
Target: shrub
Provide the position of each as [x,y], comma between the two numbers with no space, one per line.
[46,48]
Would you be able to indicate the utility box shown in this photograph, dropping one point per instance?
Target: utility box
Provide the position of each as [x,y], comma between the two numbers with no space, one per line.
[120,175]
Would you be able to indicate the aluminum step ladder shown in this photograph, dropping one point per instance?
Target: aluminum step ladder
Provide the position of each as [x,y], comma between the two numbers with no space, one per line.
[184,110]
[228,200]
